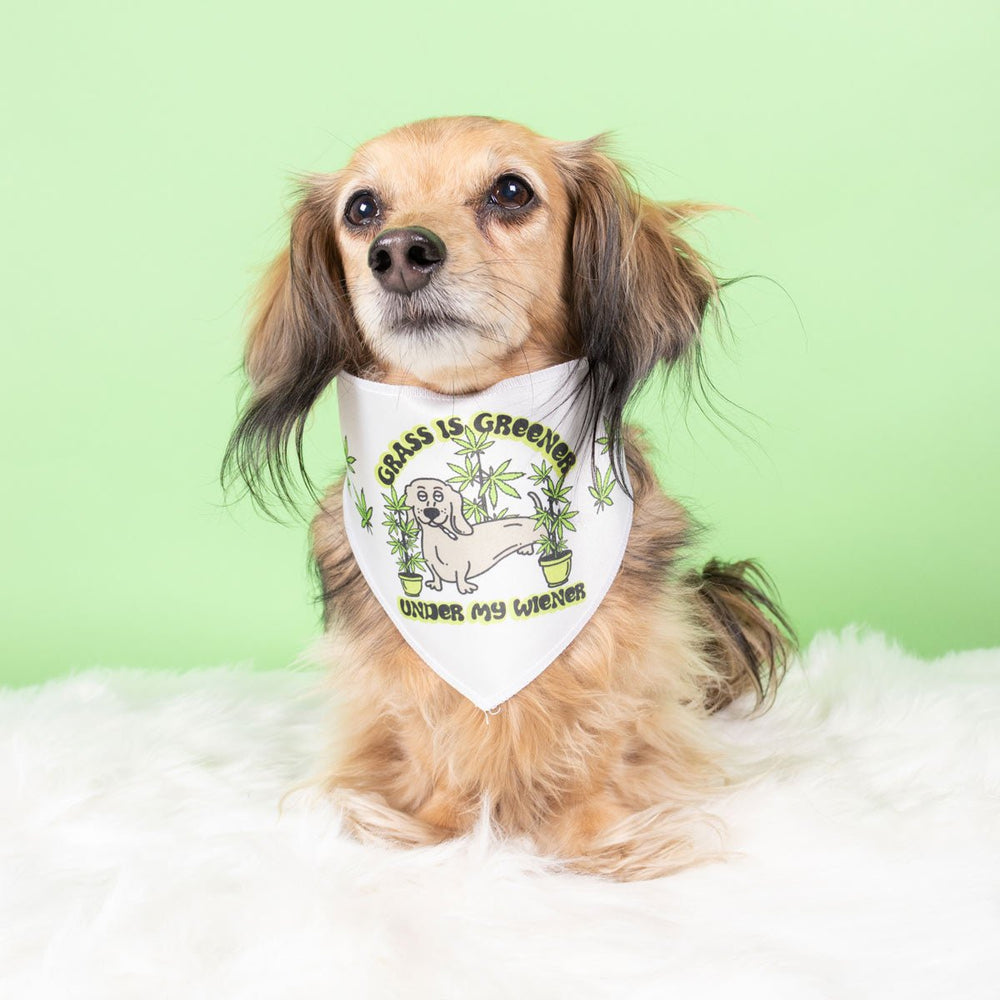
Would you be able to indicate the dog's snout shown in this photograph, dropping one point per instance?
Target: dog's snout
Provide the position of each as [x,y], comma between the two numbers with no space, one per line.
[431,513]
[403,260]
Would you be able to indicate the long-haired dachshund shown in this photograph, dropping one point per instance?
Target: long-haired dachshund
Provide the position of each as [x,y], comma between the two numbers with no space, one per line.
[451,254]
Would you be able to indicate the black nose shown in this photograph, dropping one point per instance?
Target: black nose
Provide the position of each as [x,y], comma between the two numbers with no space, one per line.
[431,513]
[404,259]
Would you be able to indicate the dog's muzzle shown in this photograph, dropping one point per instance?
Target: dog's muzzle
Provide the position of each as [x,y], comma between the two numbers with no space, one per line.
[431,514]
[404,260]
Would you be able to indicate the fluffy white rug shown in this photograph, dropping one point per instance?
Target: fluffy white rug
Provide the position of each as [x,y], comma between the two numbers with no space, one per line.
[142,854]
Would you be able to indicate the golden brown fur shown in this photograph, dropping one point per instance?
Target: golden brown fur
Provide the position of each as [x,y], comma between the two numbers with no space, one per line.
[603,759]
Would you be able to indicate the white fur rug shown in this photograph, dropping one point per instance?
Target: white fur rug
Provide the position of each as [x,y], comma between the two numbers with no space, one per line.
[142,854]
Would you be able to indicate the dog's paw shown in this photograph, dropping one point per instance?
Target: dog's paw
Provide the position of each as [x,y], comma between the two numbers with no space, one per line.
[526,550]
[655,842]
[464,587]
[434,584]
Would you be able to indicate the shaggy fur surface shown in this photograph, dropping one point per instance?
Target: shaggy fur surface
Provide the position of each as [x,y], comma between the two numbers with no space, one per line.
[142,853]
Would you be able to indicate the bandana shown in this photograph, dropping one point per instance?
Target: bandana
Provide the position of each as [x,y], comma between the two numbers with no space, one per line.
[485,525]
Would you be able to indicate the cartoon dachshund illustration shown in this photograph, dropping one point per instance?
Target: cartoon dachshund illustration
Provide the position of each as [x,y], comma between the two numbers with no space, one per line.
[455,550]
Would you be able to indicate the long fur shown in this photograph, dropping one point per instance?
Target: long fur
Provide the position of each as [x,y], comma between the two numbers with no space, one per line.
[604,758]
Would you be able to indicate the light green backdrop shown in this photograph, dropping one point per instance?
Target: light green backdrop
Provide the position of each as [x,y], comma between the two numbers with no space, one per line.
[148,152]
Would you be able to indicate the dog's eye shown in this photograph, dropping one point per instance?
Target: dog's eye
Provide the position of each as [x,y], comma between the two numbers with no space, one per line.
[511,191]
[362,209]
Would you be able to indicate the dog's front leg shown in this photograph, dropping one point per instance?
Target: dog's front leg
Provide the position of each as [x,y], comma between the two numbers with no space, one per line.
[435,582]
[462,580]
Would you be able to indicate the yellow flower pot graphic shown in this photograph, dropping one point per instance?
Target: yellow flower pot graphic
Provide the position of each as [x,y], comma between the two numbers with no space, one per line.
[412,583]
[554,519]
[556,567]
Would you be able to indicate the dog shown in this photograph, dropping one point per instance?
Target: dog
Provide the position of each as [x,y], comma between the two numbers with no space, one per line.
[448,255]
[456,551]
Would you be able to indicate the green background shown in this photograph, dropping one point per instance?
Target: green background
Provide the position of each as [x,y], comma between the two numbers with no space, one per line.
[149,151]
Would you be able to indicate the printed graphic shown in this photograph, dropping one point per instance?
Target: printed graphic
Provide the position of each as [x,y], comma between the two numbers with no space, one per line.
[481,504]
[462,526]
[458,527]
[554,518]
[456,551]
[603,484]
[358,496]
[403,535]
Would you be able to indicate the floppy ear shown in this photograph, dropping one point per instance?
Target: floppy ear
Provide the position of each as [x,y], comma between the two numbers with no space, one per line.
[637,291]
[408,495]
[302,334]
[456,519]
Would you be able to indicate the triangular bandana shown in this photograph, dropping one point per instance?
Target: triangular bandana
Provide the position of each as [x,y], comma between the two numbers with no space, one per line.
[487,529]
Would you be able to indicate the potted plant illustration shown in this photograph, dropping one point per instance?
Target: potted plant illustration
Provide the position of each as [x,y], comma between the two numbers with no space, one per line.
[555,518]
[403,541]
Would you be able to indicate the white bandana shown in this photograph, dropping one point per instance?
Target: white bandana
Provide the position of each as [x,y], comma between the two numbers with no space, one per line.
[482,523]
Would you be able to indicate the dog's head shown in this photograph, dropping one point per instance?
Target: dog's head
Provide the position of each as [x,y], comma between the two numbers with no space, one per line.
[455,252]
[437,505]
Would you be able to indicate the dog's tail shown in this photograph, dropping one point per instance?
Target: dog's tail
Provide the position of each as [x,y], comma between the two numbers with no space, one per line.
[749,637]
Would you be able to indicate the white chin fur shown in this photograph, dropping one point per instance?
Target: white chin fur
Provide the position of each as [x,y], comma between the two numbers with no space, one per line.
[452,357]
